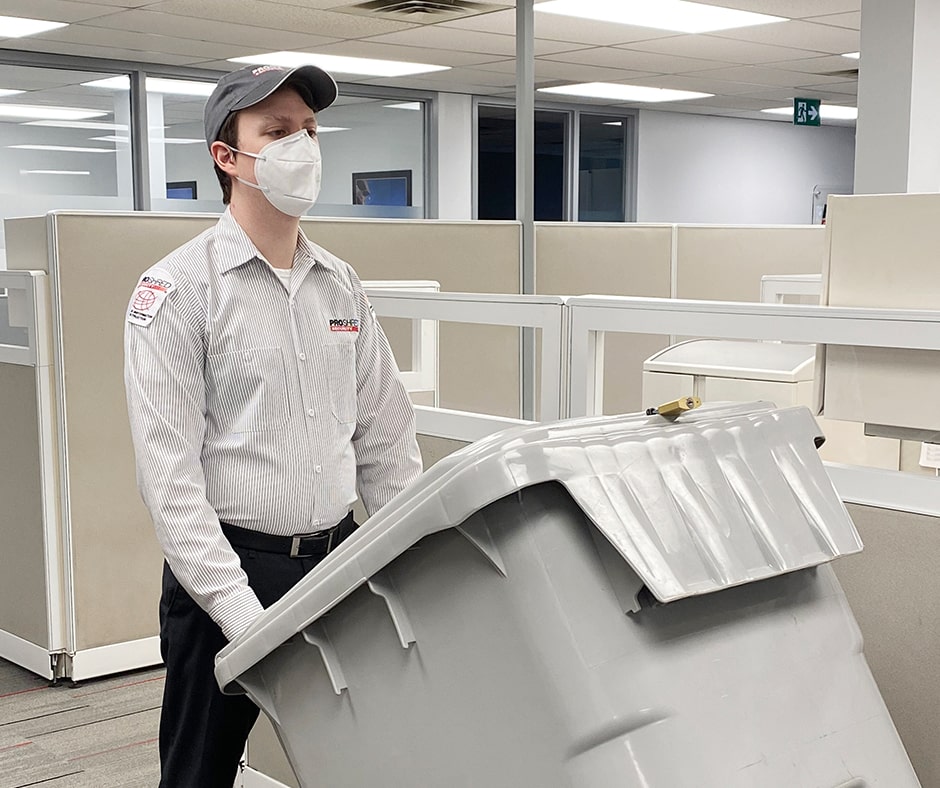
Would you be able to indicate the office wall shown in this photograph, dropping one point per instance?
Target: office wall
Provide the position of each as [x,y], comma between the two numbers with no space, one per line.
[697,168]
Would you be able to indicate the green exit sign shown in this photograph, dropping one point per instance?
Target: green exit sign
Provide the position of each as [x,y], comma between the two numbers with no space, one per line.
[806,112]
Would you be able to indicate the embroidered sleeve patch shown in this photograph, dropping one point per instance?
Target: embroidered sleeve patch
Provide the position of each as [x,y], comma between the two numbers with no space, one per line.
[149,295]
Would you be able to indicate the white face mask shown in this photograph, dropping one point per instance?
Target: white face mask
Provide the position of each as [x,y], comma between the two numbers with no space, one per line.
[288,172]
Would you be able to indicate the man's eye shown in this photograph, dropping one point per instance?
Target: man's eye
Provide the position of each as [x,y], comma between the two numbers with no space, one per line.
[312,132]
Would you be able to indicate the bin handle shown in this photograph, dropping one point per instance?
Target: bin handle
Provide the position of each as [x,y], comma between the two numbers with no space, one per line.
[381,585]
[315,635]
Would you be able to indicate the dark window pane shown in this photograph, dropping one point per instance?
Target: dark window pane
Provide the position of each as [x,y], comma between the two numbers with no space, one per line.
[601,169]
[496,164]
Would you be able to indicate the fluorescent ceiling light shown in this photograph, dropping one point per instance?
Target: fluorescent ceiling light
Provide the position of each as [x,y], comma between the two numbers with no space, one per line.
[179,87]
[62,148]
[615,92]
[828,111]
[49,113]
[78,124]
[360,66]
[9,92]
[678,15]
[18,26]
[328,129]
[54,172]
[613,123]
[413,105]
[853,55]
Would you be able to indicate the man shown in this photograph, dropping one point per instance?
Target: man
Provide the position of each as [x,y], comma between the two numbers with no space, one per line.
[260,390]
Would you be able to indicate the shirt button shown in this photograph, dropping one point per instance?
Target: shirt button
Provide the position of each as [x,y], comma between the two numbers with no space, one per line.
[302,356]
[310,412]
[318,468]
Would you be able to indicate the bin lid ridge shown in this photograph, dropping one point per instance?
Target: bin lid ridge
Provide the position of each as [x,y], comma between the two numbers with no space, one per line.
[724,495]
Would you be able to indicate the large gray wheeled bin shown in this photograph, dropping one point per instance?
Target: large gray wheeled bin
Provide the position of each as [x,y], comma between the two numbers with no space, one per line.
[617,602]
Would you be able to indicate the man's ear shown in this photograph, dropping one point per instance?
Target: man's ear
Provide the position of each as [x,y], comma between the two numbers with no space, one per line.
[223,156]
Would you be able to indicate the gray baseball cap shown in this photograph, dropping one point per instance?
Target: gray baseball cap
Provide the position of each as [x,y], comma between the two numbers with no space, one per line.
[248,86]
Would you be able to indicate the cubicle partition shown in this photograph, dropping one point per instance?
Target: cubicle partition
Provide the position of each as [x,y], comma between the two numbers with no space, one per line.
[81,572]
[79,575]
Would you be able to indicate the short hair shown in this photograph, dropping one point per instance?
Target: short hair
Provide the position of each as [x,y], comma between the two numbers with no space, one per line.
[229,134]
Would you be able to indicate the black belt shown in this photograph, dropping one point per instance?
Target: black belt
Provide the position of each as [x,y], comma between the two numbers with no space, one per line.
[312,545]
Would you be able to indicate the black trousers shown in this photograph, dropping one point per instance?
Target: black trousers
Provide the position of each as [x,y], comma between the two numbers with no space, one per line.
[202,731]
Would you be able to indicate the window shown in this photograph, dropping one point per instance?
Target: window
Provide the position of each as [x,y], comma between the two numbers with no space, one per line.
[381,143]
[59,144]
[496,164]
[591,186]
[601,168]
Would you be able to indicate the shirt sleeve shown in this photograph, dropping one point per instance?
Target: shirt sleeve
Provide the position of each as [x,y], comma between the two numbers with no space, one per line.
[164,381]
[387,455]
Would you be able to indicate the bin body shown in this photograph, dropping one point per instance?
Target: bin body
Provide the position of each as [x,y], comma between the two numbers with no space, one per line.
[504,653]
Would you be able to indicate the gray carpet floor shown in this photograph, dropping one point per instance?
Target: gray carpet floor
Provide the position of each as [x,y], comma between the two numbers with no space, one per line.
[100,734]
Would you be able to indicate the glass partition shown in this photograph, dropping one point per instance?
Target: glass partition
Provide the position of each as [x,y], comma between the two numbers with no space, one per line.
[373,158]
[60,144]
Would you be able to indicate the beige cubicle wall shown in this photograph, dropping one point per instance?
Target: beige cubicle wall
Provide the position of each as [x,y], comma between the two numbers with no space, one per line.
[24,611]
[717,263]
[478,365]
[94,261]
[894,589]
[883,253]
[610,259]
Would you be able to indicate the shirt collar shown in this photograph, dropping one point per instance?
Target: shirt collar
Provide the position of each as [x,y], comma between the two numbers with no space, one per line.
[233,247]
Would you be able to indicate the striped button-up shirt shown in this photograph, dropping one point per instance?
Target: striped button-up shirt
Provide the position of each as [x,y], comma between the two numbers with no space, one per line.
[259,403]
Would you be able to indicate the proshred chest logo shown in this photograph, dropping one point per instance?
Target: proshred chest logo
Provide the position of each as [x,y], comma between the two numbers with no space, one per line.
[344,324]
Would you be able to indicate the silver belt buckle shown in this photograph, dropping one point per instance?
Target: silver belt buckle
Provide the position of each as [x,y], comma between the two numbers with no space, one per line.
[295,546]
[330,542]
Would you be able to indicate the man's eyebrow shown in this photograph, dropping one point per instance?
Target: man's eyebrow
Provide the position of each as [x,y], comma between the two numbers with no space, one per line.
[286,118]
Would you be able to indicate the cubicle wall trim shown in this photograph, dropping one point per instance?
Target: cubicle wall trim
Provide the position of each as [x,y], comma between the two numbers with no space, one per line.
[580,359]
[31,656]
[61,427]
[91,663]
[252,778]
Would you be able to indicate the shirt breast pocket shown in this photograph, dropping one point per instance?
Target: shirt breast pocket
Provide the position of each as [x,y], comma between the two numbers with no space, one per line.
[341,380]
[248,390]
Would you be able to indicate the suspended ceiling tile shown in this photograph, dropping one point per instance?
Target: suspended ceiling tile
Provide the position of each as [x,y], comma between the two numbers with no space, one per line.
[55,10]
[799,35]
[587,31]
[499,22]
[85,50]
[374,49]
[568,72]
[616,57]
[140,42]
[852,21]
[440,37]
[782,96]
[758,75]
[701,84]
[30,78]
[273,15]
[736,102]
[706,47]
[790,9]
[260,39]
[844,92]
[827,65]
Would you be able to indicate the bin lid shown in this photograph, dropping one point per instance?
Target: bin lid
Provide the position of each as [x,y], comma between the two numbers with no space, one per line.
[724,495]
[729,358]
